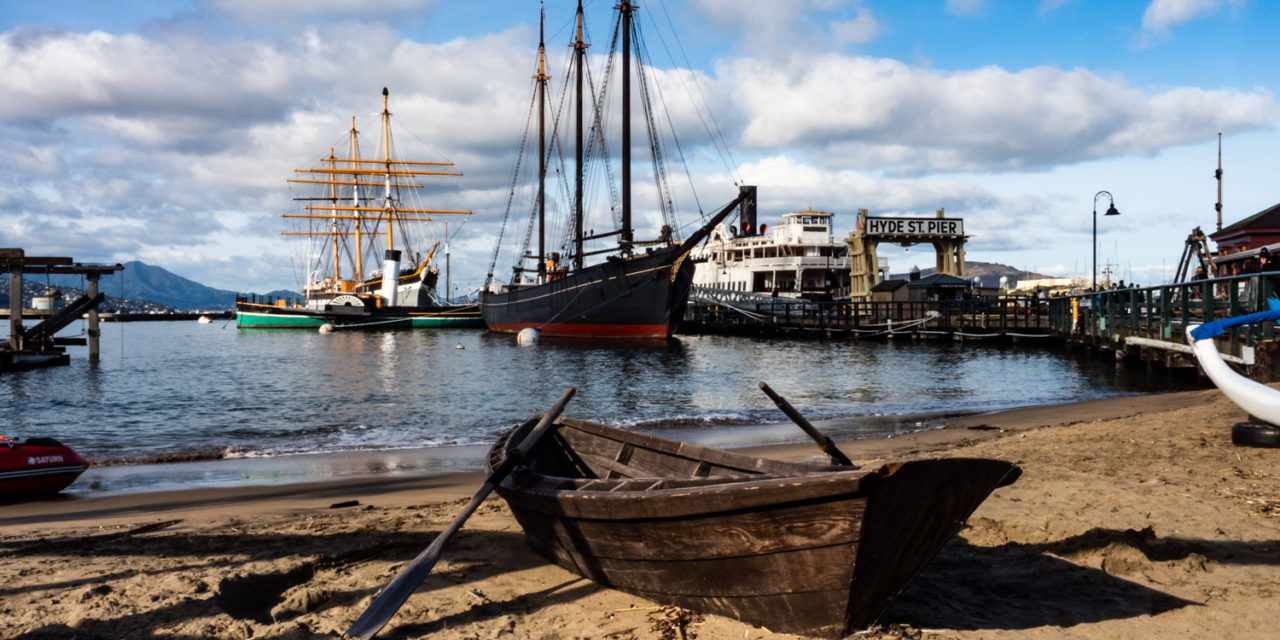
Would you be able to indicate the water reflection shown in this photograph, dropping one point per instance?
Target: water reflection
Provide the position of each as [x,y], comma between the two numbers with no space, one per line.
[171,387]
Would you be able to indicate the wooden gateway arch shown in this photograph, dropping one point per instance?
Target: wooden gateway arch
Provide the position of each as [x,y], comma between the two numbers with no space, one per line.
[945,234]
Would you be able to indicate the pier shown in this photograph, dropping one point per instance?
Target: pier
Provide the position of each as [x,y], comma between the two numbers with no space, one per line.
[1007,318]
[1149,325]
[1144,326]
[34,347]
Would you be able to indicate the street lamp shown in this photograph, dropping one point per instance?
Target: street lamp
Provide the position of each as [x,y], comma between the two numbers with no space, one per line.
[1111,211]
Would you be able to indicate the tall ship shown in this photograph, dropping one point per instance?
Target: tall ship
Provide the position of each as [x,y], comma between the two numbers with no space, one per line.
[596,283]
[800,258]
[354,211]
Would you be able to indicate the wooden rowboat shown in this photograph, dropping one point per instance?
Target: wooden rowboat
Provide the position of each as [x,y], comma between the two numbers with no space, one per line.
[795,547]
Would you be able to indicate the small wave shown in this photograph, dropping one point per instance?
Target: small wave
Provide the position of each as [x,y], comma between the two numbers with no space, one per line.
[684,421]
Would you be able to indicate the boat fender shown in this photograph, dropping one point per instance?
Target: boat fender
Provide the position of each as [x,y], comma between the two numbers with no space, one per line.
[459,346]
[527,336]
[1255,434]
[326,328]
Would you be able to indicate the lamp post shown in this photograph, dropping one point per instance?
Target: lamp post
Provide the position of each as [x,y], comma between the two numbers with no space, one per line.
[1111,211]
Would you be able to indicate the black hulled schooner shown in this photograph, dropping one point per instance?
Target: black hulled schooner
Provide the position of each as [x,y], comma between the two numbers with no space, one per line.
[631,289]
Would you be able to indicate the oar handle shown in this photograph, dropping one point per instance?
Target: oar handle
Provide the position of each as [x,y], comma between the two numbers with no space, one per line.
[389,601]
[823,441]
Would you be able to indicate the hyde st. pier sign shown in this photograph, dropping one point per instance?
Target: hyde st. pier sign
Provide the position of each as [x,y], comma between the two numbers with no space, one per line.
[895,227]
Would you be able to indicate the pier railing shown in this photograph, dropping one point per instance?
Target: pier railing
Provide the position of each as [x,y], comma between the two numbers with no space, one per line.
[729,312]
[1157,317]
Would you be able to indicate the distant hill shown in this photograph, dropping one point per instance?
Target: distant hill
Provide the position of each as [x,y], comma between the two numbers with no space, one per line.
[988,273]
[35,287]
[156,284]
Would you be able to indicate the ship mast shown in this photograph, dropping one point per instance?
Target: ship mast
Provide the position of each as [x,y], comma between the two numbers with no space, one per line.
[386,158]
[355,205]
[333,195]
[580,50]
[337,173]
[624,241]
[542,78]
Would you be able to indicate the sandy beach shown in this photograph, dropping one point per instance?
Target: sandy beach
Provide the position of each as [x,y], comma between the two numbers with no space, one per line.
[1134,518]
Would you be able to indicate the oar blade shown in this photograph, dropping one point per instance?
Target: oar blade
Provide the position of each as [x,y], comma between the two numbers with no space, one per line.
[392,597]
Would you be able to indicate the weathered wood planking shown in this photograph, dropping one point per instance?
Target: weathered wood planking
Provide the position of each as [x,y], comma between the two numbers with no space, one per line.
[798,548]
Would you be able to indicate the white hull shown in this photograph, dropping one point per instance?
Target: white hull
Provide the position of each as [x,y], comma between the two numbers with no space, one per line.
[799,258]
[1259,400]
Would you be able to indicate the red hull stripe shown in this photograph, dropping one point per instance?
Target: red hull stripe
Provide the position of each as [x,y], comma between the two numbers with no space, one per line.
[571,330]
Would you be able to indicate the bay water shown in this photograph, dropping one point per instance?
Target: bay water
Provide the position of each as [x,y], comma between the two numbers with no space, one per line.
[414,400]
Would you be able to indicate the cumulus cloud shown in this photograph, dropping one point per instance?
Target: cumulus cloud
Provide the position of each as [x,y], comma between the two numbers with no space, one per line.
[791,28]
[173,145]
[862,29]
[1163,14]
[147,140]
[859,111]
[255,10]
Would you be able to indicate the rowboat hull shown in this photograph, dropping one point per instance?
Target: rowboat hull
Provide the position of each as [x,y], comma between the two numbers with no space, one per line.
[796,548]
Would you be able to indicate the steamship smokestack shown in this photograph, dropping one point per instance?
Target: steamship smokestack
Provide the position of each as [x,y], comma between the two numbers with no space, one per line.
[747,211]
[390,277]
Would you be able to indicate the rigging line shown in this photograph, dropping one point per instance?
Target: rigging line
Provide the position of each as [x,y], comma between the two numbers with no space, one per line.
[666,203]
[515,178]
[675,137]
[596,147]
[558,154]
[716,136]
[610,75]
[262,270]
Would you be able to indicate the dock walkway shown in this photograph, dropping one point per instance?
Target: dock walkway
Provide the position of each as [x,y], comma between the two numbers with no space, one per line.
[1146,325]
[735,313]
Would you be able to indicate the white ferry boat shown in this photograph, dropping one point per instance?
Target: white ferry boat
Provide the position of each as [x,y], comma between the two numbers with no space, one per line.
[800,258]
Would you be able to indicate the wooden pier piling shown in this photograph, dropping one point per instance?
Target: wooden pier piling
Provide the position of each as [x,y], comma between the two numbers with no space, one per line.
[36,347]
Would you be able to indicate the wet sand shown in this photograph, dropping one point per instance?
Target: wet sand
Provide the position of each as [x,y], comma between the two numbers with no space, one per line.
[1134,518]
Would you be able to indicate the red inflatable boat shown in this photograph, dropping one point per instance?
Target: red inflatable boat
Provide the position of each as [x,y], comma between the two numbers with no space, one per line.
[36,466]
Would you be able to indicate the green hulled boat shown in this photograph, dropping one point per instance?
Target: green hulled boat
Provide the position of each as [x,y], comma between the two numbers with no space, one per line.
[256,315]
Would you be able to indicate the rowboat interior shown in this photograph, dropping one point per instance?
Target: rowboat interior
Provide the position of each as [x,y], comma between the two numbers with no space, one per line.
[804,548]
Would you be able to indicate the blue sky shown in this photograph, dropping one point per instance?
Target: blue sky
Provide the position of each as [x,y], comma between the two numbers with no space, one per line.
[165,131]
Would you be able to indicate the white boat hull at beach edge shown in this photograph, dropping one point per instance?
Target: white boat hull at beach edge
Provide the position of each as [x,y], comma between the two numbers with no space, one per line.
[1256,398]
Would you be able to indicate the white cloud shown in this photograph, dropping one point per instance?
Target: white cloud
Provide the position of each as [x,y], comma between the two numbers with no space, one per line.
[1163,14]
[145,141]
[859,112]
[173,146]
[253,10]
[862,29]
[791,29]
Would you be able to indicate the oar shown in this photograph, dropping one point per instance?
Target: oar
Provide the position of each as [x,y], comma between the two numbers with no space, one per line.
[823,441]
[403,585]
